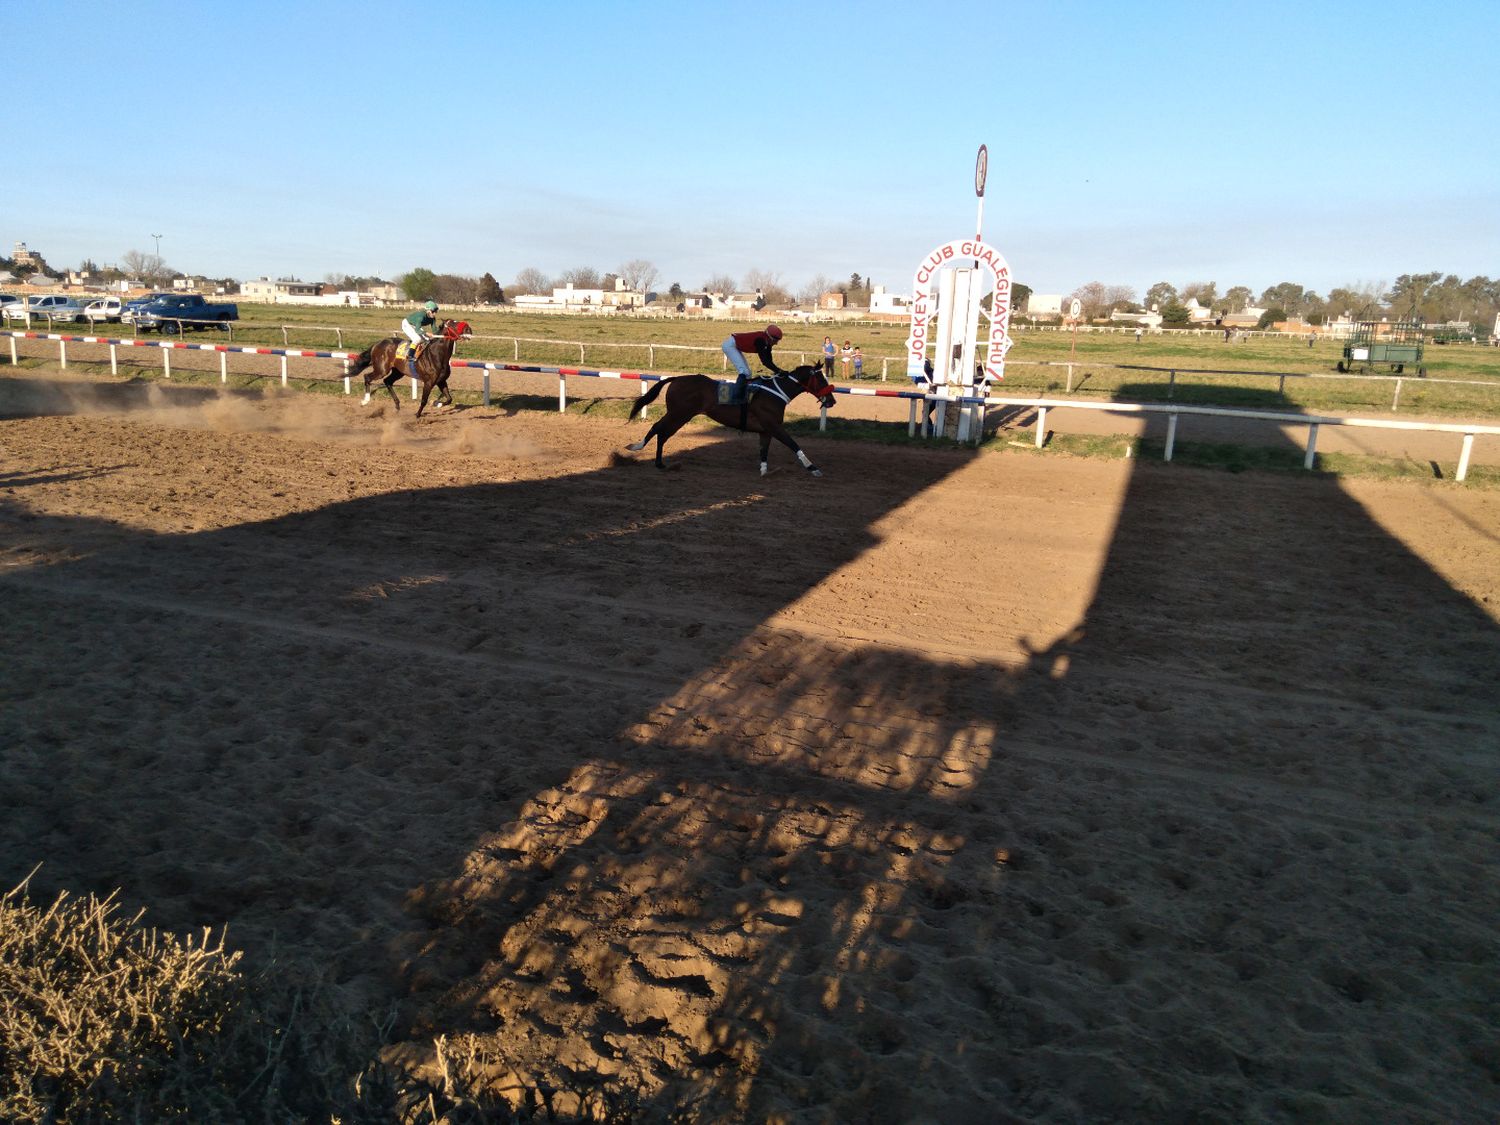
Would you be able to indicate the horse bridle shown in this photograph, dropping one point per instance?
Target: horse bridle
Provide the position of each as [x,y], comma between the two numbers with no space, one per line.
[805,385]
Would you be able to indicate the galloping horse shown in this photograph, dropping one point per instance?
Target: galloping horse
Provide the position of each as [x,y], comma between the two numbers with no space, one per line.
[432,364]
[691,395]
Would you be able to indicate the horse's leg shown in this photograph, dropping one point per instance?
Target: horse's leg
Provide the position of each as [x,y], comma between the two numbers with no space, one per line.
[637,446]
[765,451]
[427,385]
[663,429]
[391,375]
[779,433]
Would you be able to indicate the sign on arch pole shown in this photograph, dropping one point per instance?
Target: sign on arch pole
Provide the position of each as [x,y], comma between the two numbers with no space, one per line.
[946,311]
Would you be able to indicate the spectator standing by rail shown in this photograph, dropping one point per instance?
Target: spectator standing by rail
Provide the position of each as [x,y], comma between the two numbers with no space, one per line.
[859,364]
[828,353]
[846,357]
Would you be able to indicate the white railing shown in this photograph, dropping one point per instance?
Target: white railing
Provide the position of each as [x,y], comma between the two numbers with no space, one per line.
[1174,411]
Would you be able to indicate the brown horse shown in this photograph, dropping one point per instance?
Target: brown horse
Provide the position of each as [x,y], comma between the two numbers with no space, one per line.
[691,395]
[432,364]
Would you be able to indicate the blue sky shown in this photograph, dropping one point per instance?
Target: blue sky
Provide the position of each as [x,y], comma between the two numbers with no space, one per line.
[1319,143]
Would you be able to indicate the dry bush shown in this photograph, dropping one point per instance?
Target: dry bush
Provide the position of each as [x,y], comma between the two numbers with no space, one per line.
[105,1020]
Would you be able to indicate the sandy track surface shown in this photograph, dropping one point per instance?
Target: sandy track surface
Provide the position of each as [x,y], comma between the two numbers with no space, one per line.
[942,788]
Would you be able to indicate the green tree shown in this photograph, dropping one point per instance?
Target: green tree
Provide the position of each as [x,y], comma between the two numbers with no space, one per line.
[1273,315]
[490,292]
[418,285]
[675,292]
[1019,295]
[1161,295]
[1207,293]
[1238,298]
[1175,313]
[1287,296]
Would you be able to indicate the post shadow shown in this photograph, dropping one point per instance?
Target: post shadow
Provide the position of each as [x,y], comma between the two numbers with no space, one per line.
[766,869]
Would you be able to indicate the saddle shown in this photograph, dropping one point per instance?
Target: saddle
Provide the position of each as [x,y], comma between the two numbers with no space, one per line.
[410,352]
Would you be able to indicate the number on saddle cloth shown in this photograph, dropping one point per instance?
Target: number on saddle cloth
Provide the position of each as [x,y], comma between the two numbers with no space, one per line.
[727,396]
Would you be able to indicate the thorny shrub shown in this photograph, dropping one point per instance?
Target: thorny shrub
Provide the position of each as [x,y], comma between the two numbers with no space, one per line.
[103,1020]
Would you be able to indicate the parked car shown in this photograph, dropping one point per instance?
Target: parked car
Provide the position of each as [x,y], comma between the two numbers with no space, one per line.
[177,312]
[106,309]
[129,309]
[52,306]
[8,299]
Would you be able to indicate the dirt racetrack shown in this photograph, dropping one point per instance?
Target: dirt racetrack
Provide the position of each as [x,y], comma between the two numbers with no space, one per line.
[944,788]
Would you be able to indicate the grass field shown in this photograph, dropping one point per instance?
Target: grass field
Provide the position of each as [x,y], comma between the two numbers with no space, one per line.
[1463,381]
[673,345]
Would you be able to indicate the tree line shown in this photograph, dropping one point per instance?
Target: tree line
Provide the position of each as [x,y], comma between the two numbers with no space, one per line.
[1434,298]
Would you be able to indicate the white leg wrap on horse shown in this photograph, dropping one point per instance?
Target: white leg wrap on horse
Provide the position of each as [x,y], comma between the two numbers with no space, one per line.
[763,469]
[805,459]
[367,399]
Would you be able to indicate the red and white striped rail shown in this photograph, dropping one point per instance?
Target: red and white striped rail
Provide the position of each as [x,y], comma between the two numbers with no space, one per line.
[1173,411]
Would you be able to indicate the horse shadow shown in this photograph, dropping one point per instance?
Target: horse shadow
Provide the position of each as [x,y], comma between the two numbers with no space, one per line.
[559,764]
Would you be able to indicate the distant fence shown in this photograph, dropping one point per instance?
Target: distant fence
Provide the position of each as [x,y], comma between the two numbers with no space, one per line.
[1173,411]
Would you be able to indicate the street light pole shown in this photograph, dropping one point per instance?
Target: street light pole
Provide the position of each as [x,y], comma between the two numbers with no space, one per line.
[158,244]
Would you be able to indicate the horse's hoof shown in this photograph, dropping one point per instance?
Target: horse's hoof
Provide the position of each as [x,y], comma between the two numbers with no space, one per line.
[636,446]
[366,401]
[817,472]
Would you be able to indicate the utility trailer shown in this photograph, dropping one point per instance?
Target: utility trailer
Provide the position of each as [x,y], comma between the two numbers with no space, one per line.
[1381,341]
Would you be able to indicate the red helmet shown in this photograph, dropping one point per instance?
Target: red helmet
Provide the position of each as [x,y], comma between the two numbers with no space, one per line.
[773,332]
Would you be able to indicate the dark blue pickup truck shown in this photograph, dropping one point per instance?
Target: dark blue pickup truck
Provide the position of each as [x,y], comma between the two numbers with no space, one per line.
[176,312]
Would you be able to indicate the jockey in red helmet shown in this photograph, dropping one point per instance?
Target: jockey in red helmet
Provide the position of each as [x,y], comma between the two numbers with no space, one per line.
[761,343]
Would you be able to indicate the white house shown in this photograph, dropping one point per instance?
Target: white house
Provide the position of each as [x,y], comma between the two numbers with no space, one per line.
[884,301]
[572,300]
[281,291]
[1198,314]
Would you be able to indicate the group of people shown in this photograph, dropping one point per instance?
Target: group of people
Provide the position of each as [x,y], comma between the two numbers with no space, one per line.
[850,355]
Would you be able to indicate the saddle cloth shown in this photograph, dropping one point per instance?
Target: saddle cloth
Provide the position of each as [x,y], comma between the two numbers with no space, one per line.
[727,396]
[408,351]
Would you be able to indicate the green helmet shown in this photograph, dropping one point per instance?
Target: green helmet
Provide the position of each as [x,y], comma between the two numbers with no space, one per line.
[430,306]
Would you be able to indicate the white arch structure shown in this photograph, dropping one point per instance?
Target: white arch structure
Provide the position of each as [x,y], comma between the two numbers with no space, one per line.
[946,292]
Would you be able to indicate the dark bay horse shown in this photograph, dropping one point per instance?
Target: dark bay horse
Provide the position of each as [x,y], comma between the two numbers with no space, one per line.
[691,395]
[432,365]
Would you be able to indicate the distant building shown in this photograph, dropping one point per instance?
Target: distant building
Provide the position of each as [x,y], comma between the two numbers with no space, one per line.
[1198,314]
[281,291]
[885,303]
[569,299]
[1247,317]
[24,257]
[833,299]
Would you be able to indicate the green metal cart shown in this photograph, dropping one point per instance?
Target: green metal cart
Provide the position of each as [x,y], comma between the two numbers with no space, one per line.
[1378,341]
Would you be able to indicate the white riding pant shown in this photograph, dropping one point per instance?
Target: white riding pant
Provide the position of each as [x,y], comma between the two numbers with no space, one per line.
[413,333]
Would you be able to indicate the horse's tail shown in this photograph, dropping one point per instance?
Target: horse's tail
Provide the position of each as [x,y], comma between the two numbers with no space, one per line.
[361,361]
[648,398]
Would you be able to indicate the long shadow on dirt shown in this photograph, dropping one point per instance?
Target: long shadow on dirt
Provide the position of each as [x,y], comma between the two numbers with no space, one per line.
[549,763]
